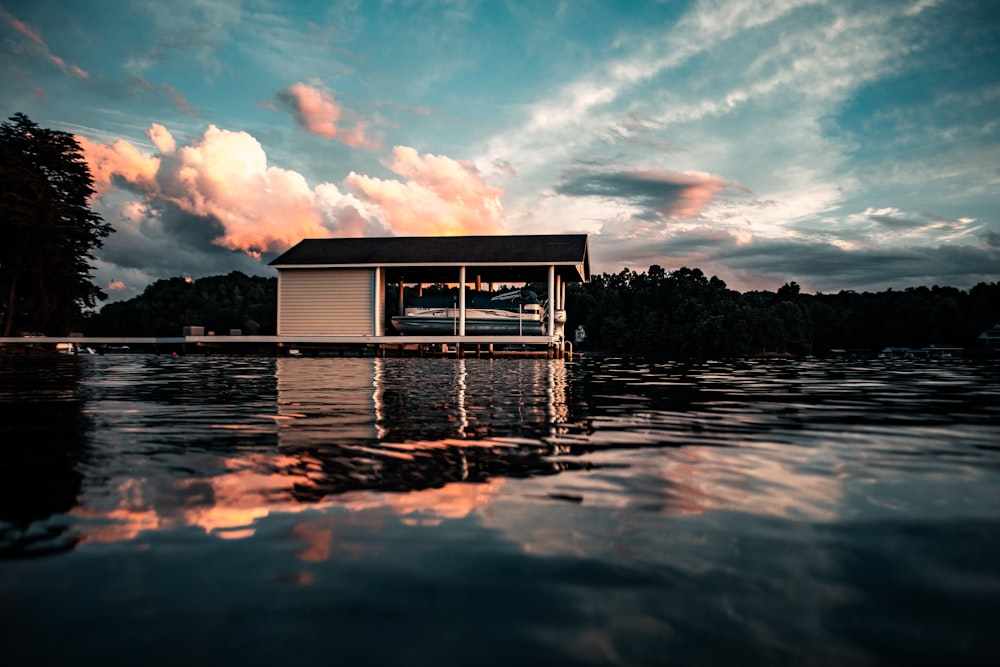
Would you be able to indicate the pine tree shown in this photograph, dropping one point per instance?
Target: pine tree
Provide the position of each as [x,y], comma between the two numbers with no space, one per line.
[47,229]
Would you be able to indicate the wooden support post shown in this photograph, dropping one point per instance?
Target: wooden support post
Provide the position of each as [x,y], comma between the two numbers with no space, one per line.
[461,301]
[552,300]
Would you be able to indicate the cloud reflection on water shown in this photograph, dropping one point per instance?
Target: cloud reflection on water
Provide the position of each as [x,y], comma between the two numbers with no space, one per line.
[431,440]
[221,444]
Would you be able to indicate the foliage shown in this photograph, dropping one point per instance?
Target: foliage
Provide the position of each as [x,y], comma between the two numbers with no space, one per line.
[678,314]
[683,314]
[47,230]
[218,303]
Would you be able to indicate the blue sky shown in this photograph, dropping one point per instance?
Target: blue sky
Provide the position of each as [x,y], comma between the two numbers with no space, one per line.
[843,145]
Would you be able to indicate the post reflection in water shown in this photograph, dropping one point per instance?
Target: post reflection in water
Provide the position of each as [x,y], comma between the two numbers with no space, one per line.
[409,425]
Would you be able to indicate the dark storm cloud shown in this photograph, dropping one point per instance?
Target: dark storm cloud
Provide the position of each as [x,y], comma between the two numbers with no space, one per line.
[169,242]
[820,266]
[659,192]
[829,267]
[188,229]
[894,222]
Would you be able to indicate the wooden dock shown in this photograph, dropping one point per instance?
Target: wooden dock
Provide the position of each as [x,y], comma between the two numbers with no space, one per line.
[302,345]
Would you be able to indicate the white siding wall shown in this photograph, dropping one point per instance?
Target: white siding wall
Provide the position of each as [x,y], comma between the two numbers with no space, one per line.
[325,302]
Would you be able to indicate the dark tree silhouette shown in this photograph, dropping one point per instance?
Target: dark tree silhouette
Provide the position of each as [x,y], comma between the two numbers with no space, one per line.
[218,303]
[47,229]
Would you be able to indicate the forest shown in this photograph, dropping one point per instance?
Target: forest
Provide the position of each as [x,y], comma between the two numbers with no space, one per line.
[218,303]
[668,314]
[684,314]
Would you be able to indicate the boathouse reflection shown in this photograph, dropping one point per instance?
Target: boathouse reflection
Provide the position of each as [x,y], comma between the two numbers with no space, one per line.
[403,425]
[445,432]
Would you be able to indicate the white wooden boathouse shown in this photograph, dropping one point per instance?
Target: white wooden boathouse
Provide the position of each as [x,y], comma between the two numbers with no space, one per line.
[337,288]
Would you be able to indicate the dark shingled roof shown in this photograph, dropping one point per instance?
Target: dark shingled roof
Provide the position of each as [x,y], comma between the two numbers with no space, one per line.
[433,258]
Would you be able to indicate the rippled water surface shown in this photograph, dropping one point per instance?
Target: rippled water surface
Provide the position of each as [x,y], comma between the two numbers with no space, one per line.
[596,511]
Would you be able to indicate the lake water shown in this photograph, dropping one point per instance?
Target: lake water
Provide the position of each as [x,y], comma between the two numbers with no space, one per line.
[162,510]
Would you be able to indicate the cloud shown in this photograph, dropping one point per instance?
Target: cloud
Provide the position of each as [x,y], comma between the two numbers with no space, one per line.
[161,138]
[440,196]
[662,193]
[892,226]
[222,179]
[39,48]
[319,113]
[224,176]
[164,90]
[119,160]
[828,267]
[215,205]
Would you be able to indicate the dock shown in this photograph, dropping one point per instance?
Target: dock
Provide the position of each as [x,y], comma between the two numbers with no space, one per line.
[301,345]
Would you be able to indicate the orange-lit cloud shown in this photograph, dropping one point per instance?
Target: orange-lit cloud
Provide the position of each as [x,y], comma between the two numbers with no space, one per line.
[440,196]
[319,113]
[670,194]
[21,27]
[118,158]
[223,176]
[40,48]
[697,190]
[161,138]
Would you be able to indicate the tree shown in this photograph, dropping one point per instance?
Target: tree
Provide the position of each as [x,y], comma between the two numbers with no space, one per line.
[47,229]
[218,303]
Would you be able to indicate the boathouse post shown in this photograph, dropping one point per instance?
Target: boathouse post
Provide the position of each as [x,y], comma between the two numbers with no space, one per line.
[377,289]
[552,299]
[461,300]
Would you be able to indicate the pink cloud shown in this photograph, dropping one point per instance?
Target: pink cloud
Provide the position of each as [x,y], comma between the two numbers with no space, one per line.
[161,138]
[695,190]
[175,96]
[224,177]
[118,158]
[440,196]
[21,27]
[40,48]
[319,113]
[670,194]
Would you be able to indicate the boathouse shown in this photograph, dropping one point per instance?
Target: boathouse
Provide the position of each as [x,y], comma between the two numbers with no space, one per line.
[338,287]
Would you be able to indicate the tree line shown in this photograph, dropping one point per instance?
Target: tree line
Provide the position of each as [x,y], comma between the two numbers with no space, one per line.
[217,303]
[676,314]
[685,314]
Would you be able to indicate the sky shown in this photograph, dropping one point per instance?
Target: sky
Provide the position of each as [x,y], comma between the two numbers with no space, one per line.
[842,145]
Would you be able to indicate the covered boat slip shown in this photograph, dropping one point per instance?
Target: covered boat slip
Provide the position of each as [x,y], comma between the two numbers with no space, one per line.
[338,288]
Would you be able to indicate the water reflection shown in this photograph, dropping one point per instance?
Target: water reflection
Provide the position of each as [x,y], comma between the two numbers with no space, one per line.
[219,444]
[159,443]
[43,435]
[405,425]
[594,511]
